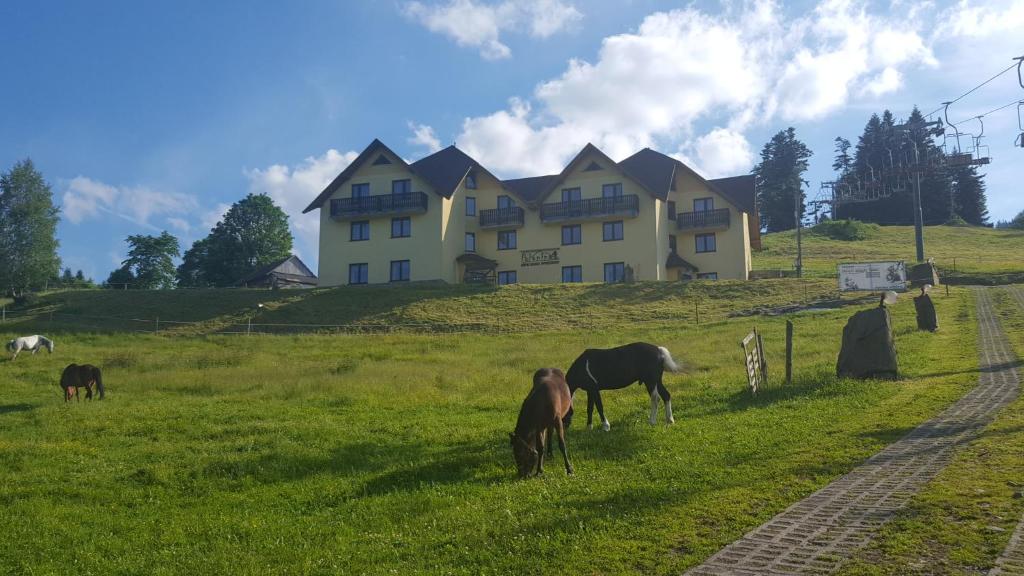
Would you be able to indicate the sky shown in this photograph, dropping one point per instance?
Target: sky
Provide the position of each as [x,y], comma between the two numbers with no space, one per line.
[150,116]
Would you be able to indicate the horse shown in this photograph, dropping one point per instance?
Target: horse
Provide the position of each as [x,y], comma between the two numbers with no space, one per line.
[613,368]
[33,343]
[541,415]
[77,376]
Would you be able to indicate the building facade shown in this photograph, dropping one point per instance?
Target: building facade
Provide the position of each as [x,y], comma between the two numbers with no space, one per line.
[446,217]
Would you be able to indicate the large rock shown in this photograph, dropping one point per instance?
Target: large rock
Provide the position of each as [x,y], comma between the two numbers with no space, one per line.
[926,318]
[868,349]
[921,274]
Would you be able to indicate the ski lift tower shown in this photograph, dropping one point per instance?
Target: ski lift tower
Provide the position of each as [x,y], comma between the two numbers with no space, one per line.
[915,166]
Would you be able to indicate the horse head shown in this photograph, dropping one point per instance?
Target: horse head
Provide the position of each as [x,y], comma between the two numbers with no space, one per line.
[524,454]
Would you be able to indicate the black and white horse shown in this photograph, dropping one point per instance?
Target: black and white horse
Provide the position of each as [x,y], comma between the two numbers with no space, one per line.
[613,368]
[32,343]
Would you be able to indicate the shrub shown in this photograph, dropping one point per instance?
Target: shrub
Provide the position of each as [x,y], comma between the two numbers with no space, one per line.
[956,220]
[848,230]
[26,300]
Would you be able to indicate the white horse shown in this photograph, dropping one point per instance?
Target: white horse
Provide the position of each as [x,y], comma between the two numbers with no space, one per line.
[33,343]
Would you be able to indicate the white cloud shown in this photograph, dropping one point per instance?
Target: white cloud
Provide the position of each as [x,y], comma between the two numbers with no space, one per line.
[180,224]
[210,218]
[983,19]
[293,188]
[423,135]
[86,198]
[740,69]
[480,24]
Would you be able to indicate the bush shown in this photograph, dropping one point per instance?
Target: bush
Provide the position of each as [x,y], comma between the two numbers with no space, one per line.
[26,300]
[848,230]
[956,220]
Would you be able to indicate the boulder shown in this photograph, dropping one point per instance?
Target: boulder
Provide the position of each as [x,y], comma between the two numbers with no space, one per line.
[868,349]
[921,274]
[926,318]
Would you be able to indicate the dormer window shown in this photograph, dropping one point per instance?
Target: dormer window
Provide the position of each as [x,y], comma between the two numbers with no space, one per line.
[471,181]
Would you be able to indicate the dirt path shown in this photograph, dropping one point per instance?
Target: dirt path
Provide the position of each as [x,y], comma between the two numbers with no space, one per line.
[817,534]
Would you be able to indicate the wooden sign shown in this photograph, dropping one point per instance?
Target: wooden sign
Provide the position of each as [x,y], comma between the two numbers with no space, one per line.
[539,257]
[754,361]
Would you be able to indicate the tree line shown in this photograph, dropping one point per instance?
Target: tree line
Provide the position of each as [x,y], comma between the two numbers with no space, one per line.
[253,233]
[878,168]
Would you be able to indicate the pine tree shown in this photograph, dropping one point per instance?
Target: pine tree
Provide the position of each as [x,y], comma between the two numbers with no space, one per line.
[780,176]
[28,230]
[969,195]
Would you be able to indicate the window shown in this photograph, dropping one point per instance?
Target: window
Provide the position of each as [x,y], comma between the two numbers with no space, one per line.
[470,242]
[361,190]
[399,270]
[672,243]
[671,210]
[470,206]
[593,166]
[611,190]
[358,273]
[614,272]
[505,201]
[360,231]
[572,235]
[401,227]
[705,242]
[507,278]
[507,240]
[401,186]
[572,273]
[707,276]
[703,204]
[471,181]
[571,194]
[613,231]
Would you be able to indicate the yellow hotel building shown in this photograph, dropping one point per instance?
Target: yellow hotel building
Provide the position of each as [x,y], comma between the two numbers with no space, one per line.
[446,217]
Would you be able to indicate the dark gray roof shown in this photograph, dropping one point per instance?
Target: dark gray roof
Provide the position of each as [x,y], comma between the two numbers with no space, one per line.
[288,266]
[591,149]
[365,155]
[445,169]
[739,189]
[676,261]
[653,169]
[530,189]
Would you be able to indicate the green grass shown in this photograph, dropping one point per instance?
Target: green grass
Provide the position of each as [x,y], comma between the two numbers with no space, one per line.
[382,454]
[961,521]
[978,251]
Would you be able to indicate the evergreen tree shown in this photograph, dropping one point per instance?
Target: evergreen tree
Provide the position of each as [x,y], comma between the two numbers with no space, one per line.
[150,261]
[969,195]
[80,277]
[253,233]
[780,180]
[28,230]
[67,279]
[121,278]
[843,162]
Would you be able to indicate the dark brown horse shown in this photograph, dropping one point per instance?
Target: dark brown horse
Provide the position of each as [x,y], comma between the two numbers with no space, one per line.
[541,415]
[77,376]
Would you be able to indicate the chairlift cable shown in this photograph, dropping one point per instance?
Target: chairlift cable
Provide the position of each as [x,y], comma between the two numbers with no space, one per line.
[1016,64]
[1015,102]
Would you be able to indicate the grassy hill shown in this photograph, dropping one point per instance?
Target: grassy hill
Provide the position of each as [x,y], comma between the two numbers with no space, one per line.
[964,250]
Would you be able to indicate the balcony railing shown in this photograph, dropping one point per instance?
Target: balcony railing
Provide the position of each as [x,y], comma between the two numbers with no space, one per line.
[502,218]
[380,205]
[704,220]
[627,206]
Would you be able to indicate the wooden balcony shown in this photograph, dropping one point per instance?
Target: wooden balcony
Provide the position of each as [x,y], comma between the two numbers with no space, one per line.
[706,220]
[379,206]
[501,218]
[627,206]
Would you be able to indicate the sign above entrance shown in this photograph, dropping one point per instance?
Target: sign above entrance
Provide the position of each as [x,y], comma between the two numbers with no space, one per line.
[539,257]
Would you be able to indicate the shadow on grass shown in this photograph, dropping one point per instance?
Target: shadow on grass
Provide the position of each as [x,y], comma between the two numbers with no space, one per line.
[12,408]
[822,384]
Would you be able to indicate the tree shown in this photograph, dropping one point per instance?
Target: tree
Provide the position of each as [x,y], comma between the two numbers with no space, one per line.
[843,162]
[253,233]
[150,262]
[1018,221]
[121,278]
[28,230]
[969,200]
[67,279]
[780,175]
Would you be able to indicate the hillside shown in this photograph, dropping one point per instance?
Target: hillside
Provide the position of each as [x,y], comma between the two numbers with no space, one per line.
[964,250]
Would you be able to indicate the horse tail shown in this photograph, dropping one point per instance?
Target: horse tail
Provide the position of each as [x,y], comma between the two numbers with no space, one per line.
[667,361]
[99,381]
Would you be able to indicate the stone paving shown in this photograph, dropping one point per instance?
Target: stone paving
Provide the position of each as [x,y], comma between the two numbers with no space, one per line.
[1011,561]
[817,534]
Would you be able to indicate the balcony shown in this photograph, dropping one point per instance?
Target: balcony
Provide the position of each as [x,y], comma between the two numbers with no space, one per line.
[706,220]
[627,206]
[380,205]
[501,218]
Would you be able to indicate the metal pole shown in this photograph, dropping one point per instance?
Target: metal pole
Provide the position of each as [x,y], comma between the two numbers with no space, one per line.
[248,326]
[918,217]
[789,352]
[796,220]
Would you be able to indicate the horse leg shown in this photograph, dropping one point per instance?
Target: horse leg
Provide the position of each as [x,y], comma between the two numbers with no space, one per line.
[590,409]
[540,451]
[565,451]
[667,399]
[600,411]
[653,391]
[550,439]
[88,392]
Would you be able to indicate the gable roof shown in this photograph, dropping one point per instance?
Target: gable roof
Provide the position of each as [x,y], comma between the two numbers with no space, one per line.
[269,268]
[347,173]
[656,167]
[578,159]
[445,169]
[530,189]
[740,190]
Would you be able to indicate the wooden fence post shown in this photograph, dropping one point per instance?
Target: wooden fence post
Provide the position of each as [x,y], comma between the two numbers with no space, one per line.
[789,352]
[696,312]
[157,324]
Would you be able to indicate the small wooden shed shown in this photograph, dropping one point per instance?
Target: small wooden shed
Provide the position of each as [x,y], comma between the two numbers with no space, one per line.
[288,273]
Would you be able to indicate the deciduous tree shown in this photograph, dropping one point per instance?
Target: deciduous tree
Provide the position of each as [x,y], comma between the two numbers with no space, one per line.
[28,230]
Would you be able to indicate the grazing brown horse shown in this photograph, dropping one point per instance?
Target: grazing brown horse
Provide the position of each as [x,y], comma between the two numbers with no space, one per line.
[541,415]
[77,376]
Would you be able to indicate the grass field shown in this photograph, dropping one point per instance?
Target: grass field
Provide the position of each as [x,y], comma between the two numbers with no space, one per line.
[388,453]
[977,251]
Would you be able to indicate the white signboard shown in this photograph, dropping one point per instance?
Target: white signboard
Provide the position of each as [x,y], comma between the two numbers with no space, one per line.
[873,276]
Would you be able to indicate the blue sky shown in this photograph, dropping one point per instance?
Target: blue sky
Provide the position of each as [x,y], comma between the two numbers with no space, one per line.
[147,116]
